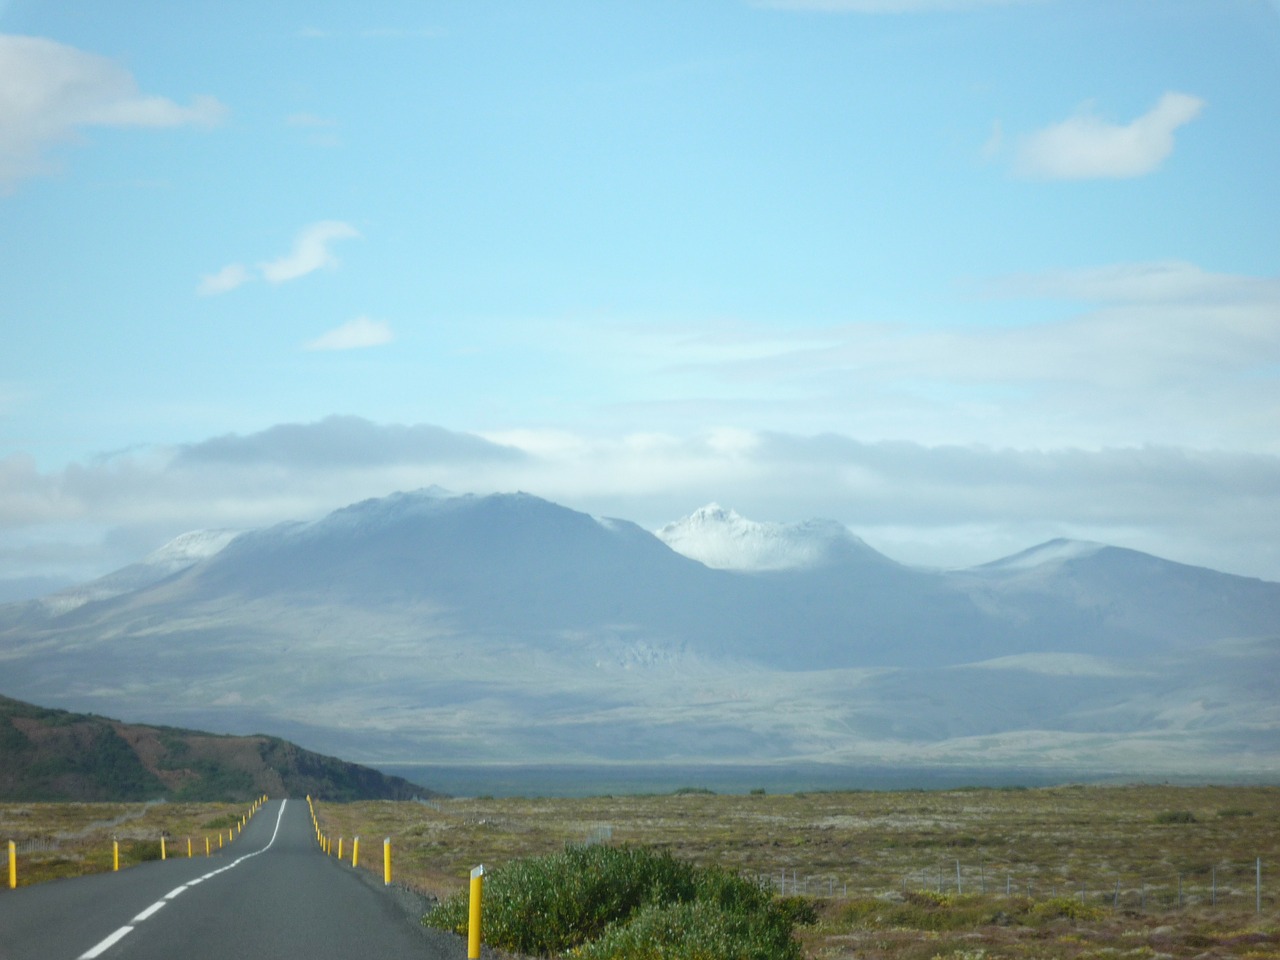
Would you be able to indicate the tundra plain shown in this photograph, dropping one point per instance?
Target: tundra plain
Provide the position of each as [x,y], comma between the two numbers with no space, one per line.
[1069,872]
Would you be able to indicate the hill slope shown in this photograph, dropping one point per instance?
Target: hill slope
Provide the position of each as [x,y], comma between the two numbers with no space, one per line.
[55,755]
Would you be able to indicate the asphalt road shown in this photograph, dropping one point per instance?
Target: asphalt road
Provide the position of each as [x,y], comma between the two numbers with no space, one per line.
[271,893]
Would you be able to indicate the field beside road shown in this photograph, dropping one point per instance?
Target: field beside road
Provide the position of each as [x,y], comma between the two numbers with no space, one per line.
[1074,872]
[55,840]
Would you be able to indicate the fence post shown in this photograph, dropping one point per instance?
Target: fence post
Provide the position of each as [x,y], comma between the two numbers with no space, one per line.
[473,921]
[959,885]
[1257,884]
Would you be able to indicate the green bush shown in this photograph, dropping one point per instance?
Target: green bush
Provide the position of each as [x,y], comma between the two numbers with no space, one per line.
[1066,908]
[694,931]
[548,905]
[1176,816]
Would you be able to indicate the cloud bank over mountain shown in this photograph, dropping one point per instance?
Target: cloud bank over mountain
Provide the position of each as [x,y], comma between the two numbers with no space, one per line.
[946,506]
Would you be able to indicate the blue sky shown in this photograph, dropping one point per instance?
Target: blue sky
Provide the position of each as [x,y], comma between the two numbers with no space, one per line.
[961,275]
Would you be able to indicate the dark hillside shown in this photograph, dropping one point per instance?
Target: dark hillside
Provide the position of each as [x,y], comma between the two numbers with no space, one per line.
[54,755]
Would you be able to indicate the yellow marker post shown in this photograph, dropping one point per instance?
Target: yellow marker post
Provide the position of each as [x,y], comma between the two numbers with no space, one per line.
[163,854]
[115,856]
[219,839]
[473,923]
[188,848]
[386,862]
[355,852]
[340,839]
[206,846]
[13,865]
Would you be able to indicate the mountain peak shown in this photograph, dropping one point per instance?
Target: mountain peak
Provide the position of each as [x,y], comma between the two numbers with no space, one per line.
[175,556]
[1056,551]
[721,538]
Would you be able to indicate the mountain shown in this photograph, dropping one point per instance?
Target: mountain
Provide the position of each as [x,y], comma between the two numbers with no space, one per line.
[725,540]
[54,755]
[175,556]
[425,627]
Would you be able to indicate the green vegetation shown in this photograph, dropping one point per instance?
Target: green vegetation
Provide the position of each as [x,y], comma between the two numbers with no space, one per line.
[626,903]
[1176,816]
[1057,873]
[55,755]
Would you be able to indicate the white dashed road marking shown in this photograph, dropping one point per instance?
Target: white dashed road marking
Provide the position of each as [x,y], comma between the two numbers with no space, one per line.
[123,932]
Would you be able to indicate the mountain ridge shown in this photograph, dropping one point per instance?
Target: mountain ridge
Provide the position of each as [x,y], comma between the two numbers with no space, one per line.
[431,628]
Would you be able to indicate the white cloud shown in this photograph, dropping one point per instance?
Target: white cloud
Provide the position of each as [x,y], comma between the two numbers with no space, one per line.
[49,92]
[310,251]
[937,504]
[353,335]
[1118,355]
[1088,147]
[228,278]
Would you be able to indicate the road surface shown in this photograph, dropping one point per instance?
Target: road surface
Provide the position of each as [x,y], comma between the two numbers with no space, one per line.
[271,893]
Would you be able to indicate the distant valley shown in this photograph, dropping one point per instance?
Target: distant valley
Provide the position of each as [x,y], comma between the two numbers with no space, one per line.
[427,628]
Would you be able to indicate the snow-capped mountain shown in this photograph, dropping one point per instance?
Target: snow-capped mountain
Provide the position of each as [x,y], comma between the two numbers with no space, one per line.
[723,539]
[430,627]
[174,557]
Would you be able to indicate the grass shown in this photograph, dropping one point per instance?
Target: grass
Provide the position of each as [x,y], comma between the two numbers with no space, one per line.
[872,861]
[879,867]
[74,839]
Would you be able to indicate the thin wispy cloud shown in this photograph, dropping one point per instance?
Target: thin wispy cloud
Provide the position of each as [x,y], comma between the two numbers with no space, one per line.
[50,93]
[228,278]
[1086,146]
[312,251]
[355,334]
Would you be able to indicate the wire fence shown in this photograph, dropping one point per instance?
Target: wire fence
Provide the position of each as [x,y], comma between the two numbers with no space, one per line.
[1228,885]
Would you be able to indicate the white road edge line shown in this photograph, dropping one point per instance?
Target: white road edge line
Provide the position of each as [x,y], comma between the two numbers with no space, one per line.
[173,893]
[105,945]
[151,910]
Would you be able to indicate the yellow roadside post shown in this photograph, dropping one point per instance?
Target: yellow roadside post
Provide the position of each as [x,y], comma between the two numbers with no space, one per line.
[386,862]
[340,839]
[355,852]
[163,855]
[13,865]
[188,848]
[115,856]
[206,846]
[219,839]
[473,923]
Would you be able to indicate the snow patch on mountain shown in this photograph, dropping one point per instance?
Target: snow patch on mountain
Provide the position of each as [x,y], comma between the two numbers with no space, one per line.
[174,557]
[723,539]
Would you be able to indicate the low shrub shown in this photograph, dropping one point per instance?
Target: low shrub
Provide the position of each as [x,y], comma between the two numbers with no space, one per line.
[549,905]
[694,931]
[1176,816]
[919,910]
[1066,908]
